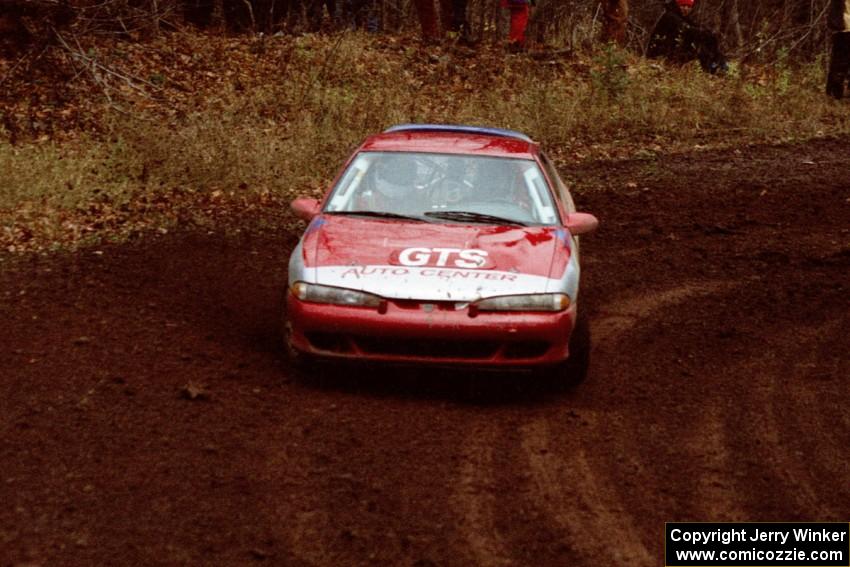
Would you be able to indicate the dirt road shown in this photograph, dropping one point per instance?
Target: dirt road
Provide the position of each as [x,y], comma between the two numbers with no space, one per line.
[719,293]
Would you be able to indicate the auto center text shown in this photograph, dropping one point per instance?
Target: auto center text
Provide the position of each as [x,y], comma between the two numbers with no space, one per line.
[360,271]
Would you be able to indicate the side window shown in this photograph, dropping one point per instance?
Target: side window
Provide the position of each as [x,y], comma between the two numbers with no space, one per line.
[348,185]
[563,193]
[543,209]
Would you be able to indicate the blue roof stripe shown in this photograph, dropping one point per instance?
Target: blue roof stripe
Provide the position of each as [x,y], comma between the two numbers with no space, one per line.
[487,131]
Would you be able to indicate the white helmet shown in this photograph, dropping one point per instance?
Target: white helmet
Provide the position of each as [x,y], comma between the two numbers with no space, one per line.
[395,175]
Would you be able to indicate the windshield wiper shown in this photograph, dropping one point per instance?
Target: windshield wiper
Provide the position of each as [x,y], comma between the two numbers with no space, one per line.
[471,216]
[379,214]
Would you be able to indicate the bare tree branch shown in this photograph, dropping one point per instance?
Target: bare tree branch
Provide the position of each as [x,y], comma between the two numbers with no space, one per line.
[95,65]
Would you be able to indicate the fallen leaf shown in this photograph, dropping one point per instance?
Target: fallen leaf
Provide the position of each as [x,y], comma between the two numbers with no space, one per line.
[193,391]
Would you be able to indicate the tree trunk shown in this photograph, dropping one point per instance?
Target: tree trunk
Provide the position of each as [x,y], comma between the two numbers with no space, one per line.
[217,17]
[735,22]
[428,19]
[616,15]
[154,18]
[250,9]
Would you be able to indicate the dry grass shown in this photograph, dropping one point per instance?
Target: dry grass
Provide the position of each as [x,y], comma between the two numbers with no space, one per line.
[287,132]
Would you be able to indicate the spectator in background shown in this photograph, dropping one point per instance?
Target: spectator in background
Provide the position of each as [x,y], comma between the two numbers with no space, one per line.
[839,62]
[680,39]
[520,10]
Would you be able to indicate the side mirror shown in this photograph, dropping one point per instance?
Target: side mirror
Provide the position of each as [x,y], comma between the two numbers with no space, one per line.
[580,223]
[305,208]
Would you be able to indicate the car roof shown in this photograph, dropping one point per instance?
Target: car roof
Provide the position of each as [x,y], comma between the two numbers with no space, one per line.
[488,130]
[452,139]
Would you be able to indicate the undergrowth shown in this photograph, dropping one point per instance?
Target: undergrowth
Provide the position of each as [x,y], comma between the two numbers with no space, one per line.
[287,131]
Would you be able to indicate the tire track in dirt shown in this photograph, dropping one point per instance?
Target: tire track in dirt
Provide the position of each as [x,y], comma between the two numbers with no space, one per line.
[796,434]
[707,443]
[592,503]
[476,506]
[760,438]
[301,525]
[372,482]
[336,517]
[621,315]
[578,498]
[705,440]
[475,497]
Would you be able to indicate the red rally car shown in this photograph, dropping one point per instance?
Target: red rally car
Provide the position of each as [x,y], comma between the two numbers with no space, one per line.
[449,245]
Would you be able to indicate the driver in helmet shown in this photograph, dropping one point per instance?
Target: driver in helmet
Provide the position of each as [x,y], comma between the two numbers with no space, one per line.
[394,180]
[495,181]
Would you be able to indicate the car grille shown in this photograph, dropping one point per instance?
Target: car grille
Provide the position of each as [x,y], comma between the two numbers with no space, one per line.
[426,348]
[525,349]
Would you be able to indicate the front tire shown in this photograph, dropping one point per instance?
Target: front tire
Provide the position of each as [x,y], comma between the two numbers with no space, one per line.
[573,370]
[297,361]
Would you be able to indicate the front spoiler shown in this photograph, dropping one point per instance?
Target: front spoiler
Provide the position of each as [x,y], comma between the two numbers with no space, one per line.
[408,334]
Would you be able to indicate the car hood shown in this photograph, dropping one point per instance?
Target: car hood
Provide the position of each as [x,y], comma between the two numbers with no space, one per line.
[434,261]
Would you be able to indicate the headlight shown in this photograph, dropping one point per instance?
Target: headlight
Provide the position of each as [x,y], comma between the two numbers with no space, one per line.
[315,293]
[536,302]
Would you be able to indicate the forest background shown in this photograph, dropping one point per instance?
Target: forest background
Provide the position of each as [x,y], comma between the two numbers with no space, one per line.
[119,117]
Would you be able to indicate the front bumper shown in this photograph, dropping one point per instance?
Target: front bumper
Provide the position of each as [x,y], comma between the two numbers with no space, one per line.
[429,333]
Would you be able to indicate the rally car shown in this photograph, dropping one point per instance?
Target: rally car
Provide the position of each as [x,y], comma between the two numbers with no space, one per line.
[447,245]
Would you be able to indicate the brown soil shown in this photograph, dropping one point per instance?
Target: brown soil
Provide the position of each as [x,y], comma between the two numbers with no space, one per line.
[148,415]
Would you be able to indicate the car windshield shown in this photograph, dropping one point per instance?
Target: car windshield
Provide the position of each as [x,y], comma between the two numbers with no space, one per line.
[485,190]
